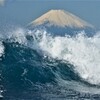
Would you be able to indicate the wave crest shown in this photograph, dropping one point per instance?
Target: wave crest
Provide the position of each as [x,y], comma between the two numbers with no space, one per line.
[81,51]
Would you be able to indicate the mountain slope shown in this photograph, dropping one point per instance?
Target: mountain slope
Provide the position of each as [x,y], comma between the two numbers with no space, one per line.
[60,22]
[60,18]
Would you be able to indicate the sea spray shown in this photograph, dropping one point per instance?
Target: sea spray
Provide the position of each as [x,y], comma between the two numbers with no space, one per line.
[1,49]
[81,51]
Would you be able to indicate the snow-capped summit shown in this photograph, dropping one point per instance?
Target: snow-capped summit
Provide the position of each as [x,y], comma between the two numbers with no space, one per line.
[60,18]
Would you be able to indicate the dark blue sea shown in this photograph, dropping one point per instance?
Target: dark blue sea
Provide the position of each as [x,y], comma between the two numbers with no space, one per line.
[34,65]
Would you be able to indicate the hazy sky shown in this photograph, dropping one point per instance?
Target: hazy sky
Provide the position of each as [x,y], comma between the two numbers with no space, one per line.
[24,11]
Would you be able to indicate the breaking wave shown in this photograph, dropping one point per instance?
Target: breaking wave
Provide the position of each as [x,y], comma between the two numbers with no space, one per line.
[30,58]
[81,51]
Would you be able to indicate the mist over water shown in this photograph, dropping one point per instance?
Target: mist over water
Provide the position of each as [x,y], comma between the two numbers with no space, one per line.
[36,57]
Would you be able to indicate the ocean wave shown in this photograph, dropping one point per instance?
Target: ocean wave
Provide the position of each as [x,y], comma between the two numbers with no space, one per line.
[81,51]
[38,57]
[23,67]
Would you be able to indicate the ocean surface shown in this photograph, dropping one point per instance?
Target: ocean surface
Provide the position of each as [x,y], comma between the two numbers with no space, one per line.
[34,65]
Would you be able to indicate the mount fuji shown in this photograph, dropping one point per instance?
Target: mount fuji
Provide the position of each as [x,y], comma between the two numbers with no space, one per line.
[60,22]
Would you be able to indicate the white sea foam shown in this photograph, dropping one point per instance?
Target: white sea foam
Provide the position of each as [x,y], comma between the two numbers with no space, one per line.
[1,49]
[81,51]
